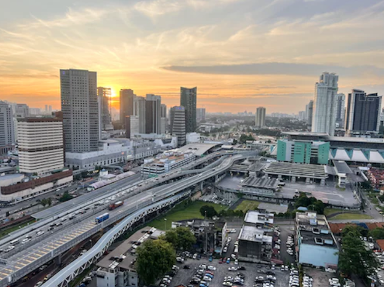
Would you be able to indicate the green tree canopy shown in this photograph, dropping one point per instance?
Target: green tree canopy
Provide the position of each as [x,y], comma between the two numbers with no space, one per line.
[181,238]
[354,258]
[208,211]
[244,138]
[377,233]
[66,196]
[310,202]
[154,258]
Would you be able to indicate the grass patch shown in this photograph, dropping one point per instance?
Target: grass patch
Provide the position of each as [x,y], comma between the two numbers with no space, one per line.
[247,205]
[183,212]
[330,211]
[350,216]
[4,232]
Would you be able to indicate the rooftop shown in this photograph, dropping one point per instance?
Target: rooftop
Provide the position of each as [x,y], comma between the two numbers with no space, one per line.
[261,182]
[251,233]
[256,216]
[296,169]
[198,148]
[342,167]
[122,256]
[314,229]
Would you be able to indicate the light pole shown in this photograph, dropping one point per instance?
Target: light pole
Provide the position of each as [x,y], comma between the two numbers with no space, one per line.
[165,224]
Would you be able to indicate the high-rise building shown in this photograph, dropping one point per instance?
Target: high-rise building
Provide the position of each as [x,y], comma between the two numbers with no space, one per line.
[363,113]
[340,111]
[80,110]
[127,98]
[302,116]
[177,126]
[200,114]
[104,98]
[325,103]
[46,108]
[260,117]
[163,119]
[50,109]
[131,126]
[7,130]
[21,111]
[40,145]
[139,111]
[152,114]
[188,99]
[309,112]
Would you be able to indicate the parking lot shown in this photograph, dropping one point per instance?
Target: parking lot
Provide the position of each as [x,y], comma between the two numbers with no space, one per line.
[251,271]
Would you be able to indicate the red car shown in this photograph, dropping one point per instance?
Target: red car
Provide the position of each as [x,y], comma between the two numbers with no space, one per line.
[221,261]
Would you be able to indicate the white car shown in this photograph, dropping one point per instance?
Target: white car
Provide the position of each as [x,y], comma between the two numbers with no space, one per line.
[25,240]
[39,233]
[212,268]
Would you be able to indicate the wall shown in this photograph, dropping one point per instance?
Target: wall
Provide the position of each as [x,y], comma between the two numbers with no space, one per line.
[318,255]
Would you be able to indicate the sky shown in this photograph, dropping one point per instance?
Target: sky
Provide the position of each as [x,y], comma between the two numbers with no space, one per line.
[240,54]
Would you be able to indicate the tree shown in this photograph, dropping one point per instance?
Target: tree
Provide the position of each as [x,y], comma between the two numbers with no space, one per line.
[49,201]
[43,202]
[66,196]
[377,233]
[354,255]
[208,211]
[181,238]
[154,259]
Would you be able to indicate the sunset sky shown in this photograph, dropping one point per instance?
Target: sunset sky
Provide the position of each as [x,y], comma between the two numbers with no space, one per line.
[239,53]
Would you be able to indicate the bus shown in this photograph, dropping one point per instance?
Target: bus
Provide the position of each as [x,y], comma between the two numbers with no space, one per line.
[102,218]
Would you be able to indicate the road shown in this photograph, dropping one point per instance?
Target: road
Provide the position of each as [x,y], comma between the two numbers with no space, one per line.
[50,242]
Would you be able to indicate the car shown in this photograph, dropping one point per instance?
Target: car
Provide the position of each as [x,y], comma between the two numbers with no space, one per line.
[210,267]
[40,232]
[186,267]
[227,283]
[194,256]
[25,240]
[233,268]
[206,278]
[228,260]
[203,266]
[241,268]
[236,262]
[210,258]
[38,284]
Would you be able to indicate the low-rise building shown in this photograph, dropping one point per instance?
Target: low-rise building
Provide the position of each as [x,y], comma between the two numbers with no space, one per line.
[117,269]
[376,176]
[166,161]
[315,243]
[256,237]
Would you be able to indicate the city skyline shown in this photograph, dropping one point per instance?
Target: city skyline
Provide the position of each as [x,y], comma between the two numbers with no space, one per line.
[210,48]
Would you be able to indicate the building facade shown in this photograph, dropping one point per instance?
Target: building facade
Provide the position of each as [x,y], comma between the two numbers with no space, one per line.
[177,126]
[363,114]
[163,119]
[325,103]
[41,148]
[139,111]
[188,99]
[21,111]
[340,111]
[127,99]
[260,117]
[7,130]
[309,112]
[200,114]
[303,151]
[152,114]
[80,110]
[104,98]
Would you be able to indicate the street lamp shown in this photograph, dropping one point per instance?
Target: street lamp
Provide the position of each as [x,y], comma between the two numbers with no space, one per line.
[165,224]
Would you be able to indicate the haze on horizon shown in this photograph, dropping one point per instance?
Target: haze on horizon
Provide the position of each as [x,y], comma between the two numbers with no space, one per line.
[239,53]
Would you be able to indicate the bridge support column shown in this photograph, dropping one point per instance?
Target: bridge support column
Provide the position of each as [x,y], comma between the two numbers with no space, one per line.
[322,182]
[279,176]
[58,259]
[202,186]
[307,180]
[293,180]
[143,219]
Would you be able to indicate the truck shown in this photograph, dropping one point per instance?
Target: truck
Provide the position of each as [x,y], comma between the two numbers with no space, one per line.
[112,206]
[102,218]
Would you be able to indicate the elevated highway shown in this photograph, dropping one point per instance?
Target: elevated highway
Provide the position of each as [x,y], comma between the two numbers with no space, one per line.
[60,233]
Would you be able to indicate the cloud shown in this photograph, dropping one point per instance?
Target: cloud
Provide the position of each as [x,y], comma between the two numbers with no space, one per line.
[278,69]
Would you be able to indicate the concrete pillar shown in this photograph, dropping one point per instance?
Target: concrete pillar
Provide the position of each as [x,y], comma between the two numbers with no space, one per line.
[307,180]
[266,174]
[322,182]
[58,259]
[143,220]
[293,180]
[279,176]
[202,186]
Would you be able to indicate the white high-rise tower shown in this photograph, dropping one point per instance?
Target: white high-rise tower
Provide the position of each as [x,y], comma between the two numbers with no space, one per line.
[325,103]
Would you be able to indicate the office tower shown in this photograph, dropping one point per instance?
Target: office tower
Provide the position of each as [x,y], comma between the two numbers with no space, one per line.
[309,112]
[21,111]
[340,110]
[324,104]
[80,110]
[163,119]
[363,113]
[104,99]
[46,108]
[152,114]
[188,99]
[127,98]
[200,114]
[131,126]
[7,130]
[139,111]
[40,145]
[177,126]
[260,117]
[50,109]
[302,116]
